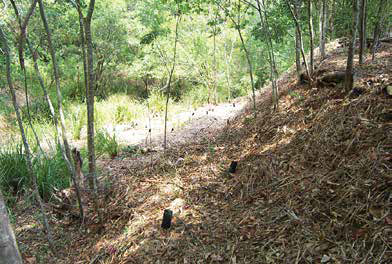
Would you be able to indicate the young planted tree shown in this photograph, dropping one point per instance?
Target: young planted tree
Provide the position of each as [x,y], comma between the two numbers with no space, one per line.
[169,80]
[349,78]
[362,30]
[26,145]
[9,252]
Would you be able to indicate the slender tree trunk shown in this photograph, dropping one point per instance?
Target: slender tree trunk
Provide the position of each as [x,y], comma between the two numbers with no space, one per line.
[377,28]
[90,107]
[168,85]
[57,79]
[65,148]
[332,20]
[271,55]
[296,21]
[362,31]
[250,67]
[83,44]
[228,59]
[9,252]
[21,41]
[323,29]
[24,139]
[298,43]
[349,79]
[214,81]
[311,36]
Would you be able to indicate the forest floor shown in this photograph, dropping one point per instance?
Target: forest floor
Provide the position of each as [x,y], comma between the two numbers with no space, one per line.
[313,184]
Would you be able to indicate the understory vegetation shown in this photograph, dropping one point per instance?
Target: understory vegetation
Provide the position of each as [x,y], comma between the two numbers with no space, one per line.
[80,80]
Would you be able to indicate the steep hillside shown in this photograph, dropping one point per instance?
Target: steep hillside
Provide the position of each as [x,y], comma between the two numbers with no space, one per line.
[313,185]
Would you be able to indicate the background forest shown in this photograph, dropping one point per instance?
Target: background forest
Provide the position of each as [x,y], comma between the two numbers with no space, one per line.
[139,58]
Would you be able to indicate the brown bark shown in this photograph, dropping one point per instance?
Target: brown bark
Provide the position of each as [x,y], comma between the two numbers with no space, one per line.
[9,252]
[349,80]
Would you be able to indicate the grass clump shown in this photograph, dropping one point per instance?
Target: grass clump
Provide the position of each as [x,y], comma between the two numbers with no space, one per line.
[51,172]
[106,144]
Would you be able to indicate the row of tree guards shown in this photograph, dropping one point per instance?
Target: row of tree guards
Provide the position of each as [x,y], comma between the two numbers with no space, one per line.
[234,11]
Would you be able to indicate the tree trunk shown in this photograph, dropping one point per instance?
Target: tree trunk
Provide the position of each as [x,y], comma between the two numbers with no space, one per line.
[168,85]
[83,45]
[57,78]
[298,43]
[24,138]
[311,36]
[65,149]
[250,67]
[377,28]
[349,80]
[21,41]
[9,252]
[332,20]
[271,55]
[90,108]
[362,31]
[296,21]
[323,27]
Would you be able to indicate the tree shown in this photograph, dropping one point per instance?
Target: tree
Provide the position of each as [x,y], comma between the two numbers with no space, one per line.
[362,30]
[311,36]
[377,27]
[298,29]
[349,79]
[26,145]
[271,55]
[323,26]
[169,80]
[235,17]
[298,42]
[9,252]
[65,148]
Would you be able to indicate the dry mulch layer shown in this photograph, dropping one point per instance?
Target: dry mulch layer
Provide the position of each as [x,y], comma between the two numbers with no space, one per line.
[313,185]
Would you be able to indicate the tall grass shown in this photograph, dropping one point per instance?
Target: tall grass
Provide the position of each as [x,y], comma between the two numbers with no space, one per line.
[51,172]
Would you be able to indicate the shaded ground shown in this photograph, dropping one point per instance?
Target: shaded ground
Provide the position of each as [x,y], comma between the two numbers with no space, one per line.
[313,185]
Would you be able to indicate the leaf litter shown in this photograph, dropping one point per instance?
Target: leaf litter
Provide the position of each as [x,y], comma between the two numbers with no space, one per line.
[313,185]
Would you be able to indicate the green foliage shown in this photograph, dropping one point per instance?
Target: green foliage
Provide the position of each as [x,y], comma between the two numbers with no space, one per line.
[133,150]
[13,170]
[51,172]
[157,101]
[105,144]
